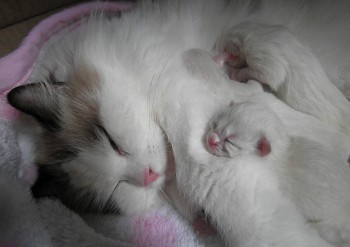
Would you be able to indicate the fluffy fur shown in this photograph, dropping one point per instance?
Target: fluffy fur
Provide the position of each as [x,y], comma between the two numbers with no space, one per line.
[137,76]
[257,48]
[288,157]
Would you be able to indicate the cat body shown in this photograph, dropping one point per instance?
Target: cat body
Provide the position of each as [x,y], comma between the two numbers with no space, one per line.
[119,84]
[301,165]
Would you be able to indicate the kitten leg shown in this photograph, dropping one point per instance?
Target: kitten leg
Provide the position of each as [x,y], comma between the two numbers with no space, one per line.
[273,56]
[209,69]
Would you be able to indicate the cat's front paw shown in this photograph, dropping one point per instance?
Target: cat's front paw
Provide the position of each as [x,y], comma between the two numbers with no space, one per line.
[252,51]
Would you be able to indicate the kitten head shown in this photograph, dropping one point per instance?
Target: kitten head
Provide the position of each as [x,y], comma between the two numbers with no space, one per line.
[246,128]
[100,143]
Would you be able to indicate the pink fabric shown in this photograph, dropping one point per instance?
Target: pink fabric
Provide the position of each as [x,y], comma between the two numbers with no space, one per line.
[154,230]
[16,67]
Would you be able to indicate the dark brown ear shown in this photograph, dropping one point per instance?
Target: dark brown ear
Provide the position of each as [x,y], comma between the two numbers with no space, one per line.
[263,147]
[41,100]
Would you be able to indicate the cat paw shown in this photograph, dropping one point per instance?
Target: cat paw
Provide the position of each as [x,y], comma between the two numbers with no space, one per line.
[251,51]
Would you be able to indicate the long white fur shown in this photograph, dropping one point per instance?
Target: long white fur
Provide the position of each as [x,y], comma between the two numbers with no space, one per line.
[325,167]
[143,53]
[275,57]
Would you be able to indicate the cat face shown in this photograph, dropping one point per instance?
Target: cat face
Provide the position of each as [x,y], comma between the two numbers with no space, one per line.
[100,144]
[246,128]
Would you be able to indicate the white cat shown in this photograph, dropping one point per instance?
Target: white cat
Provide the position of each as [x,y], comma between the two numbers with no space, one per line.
[268,211]
[313,175]
[127,81]
[80,147]
[298,163]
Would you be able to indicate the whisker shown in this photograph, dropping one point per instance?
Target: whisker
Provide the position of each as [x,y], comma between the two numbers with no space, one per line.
[165,196]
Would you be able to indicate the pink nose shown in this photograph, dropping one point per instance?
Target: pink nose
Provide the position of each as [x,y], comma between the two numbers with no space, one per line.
[213,140]
[149,176]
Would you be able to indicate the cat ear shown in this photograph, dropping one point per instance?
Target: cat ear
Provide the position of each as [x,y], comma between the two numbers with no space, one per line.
[263,147]
[41,100]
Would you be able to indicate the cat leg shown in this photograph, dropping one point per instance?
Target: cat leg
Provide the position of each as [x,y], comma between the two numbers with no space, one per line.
[274,57]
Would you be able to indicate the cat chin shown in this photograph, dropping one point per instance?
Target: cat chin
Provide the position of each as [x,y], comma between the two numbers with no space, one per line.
[133,199]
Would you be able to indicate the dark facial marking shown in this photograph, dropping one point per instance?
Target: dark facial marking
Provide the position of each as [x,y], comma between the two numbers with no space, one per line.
[40,100]
[69,113]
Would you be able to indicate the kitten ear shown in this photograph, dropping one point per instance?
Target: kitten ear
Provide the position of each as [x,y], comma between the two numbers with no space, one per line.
[41,100]
[263,147]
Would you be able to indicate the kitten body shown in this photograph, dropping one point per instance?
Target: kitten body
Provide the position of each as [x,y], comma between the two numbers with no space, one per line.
[311,174]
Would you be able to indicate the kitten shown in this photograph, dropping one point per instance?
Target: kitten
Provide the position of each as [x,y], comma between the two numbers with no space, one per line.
[298,164]
[288,156]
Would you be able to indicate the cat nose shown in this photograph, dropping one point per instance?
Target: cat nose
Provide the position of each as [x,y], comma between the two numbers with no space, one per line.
[149,176]
[213,140]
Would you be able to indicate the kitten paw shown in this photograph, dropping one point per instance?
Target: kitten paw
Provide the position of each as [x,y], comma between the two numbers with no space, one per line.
[251,51]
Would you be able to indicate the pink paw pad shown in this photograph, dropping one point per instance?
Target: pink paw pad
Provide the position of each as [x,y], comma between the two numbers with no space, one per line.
[230,57]
[221,59]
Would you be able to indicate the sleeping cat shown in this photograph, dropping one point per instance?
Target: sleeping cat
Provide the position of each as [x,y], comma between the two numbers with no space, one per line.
[119,84]
[85,160]
[260,139]
[94,92]
[287,168]
[206,181]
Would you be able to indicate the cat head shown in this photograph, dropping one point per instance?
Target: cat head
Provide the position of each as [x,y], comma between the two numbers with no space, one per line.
[100,145]
[247,128]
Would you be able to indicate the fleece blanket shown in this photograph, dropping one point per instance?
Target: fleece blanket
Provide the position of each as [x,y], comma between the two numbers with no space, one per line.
[26,222]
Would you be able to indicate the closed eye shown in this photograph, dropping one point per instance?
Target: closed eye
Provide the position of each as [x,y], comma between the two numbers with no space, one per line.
[113,144]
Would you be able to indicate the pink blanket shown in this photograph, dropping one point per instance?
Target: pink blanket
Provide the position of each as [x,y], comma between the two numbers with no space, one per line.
[16,67]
